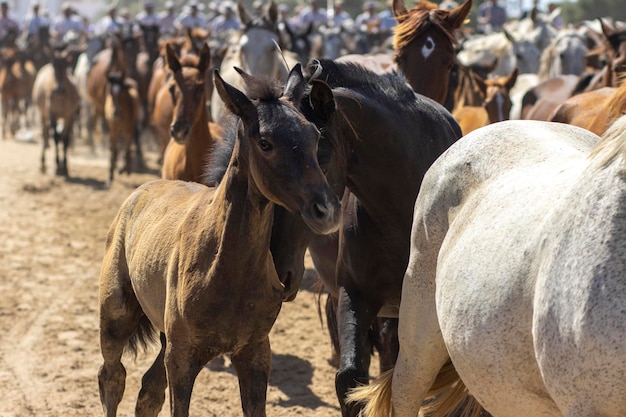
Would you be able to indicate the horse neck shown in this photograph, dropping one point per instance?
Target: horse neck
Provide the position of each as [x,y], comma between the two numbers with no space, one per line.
[200,141]
[246,217]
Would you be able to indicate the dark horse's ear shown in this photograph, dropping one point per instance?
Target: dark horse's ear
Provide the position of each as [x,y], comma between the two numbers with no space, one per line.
[236,101]
[172,60]
[322,99]
[457,16]
[296,85]
[205,58]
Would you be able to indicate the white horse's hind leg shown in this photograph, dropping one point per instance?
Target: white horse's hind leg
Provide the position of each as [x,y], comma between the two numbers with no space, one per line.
[422,349]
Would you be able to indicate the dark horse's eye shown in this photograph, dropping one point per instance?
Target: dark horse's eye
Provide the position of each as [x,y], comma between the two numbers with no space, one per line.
[265,145]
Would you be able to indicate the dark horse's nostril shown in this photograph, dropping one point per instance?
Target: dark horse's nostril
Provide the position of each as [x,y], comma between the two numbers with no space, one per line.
[320,210]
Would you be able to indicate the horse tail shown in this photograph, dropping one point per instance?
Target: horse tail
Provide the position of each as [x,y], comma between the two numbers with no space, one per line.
[447,396]
[144,336]
[376,396]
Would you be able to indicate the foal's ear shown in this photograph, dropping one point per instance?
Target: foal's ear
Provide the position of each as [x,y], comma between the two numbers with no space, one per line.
[236,101]
[172,60]
[457,16]
[322,99]
[205,58]
[296,86]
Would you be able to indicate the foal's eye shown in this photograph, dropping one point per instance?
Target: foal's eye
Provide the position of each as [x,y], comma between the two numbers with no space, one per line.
[265,145]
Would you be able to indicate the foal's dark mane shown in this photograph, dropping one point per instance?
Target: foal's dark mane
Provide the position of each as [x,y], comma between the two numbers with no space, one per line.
[390,88]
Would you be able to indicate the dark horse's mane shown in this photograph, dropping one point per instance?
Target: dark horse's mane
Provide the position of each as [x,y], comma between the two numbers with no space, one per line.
[391,89]
[421,18]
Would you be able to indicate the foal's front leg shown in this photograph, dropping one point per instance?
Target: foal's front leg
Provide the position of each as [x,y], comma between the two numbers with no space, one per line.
[253,364]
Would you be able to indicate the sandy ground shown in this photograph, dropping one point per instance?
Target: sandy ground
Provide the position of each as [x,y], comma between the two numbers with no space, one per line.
[52,234]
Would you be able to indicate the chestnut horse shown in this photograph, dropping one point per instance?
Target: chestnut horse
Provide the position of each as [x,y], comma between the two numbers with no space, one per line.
[424,46]
[194,264]
[192,136]
[595,110]
[495,107]
[17,75]
[57,99]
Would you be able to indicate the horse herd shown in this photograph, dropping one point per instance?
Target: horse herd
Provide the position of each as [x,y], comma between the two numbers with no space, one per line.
[486,267]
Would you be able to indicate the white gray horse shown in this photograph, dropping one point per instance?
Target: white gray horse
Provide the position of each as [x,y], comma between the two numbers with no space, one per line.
[516,284]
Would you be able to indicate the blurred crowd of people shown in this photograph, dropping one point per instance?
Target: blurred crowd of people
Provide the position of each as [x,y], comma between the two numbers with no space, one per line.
[217,17]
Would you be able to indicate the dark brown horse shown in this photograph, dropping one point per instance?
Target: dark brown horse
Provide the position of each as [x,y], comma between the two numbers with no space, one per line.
[197,266]
[58,100]
[192,136]
[391,135]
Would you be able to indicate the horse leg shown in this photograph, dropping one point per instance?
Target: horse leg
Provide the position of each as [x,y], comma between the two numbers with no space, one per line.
[422,349]
[113,161]
[153,385]
[385,334]
[354,318]
[333,332]
[5,115]
[141,164]
[252,364]
[120,321]
[183,364]
[127,157]
[57,140]
[45,131]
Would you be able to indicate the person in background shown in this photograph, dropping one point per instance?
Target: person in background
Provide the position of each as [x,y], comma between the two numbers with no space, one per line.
[191,18]
[9,29]
[33,22]
[167,18]
[68,22]
[340,16]
[387,18]
[311,14]
[227,20]
[147,17]
[490,17]
[369,20]
[109,24]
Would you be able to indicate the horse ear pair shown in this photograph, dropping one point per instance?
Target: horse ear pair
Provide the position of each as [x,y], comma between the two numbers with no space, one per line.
[236,101]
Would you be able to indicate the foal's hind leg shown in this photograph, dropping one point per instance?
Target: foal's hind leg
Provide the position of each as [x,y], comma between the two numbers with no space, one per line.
[119,321]
[153,385]
[252,364]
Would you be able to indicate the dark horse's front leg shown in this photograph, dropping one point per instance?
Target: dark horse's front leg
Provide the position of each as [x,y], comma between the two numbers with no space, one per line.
[354,318]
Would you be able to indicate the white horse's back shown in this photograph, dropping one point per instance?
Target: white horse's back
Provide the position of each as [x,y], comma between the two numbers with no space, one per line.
[517,272]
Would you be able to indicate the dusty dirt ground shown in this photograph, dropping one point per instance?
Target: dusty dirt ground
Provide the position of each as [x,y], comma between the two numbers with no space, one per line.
[52,234]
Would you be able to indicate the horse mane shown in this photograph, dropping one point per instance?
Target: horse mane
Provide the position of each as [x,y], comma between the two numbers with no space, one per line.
[421,18]
[612,145]
[217,163]
[392,88]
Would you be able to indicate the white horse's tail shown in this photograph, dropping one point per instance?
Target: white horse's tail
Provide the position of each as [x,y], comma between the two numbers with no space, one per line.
[376,396]
[447,394]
